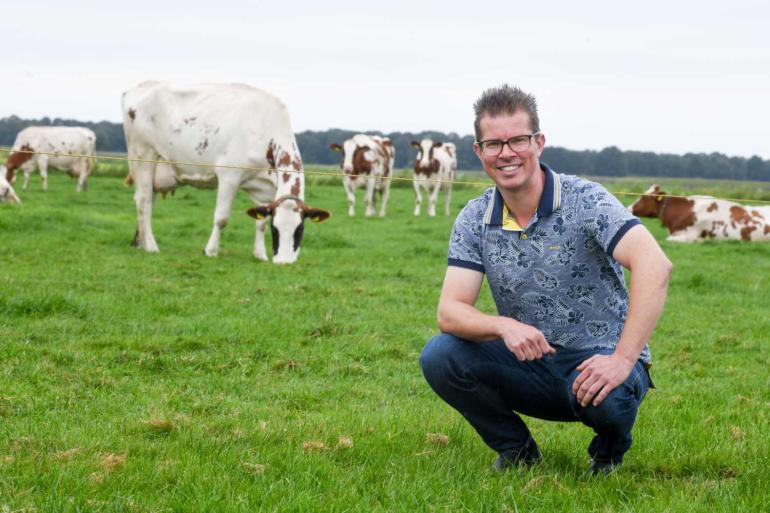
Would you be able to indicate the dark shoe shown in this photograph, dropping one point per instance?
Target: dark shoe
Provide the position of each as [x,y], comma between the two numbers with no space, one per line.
[525,456]
[603,467]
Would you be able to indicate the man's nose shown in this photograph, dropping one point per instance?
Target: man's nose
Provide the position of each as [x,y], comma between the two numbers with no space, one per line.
[507,152]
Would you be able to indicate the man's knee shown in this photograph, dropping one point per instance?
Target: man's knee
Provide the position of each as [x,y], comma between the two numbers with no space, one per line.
[616,413]
[436,359]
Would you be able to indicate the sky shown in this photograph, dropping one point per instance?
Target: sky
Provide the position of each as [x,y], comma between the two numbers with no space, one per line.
[663,76]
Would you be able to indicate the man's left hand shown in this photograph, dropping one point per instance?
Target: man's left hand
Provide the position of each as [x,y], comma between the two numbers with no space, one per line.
[600,375]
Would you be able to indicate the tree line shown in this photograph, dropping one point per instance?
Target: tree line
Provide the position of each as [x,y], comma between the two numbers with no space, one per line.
[611,161]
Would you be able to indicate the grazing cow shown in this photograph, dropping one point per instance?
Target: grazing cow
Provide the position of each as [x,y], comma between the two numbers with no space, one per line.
[6,189]
[434,167]
[366,160]
[69,148]
[223,136]
[694,218]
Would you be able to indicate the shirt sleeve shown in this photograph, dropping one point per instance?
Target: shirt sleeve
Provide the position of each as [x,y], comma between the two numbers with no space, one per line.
[465,241]
[605,218]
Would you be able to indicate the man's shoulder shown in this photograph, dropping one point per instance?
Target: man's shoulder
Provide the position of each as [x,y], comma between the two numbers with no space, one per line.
[576,185]
[476,207]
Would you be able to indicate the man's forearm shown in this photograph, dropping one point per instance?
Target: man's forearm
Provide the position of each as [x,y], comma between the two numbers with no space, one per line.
[467,322]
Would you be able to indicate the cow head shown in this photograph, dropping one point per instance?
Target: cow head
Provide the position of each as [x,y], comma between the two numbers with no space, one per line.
[355,158]
[424,162]
[288,215]
[17,159]
[6,190]
[650,204]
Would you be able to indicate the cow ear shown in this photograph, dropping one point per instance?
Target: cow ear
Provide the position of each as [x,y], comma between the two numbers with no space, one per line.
[416,145]
[659,197]
[437,144]
[261,212]
[317,215]
[335,147]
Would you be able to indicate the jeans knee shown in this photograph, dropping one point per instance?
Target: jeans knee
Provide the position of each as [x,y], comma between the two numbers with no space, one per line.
[617,412]
[437,356]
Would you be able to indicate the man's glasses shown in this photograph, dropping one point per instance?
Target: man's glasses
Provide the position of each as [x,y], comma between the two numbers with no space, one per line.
[493,147]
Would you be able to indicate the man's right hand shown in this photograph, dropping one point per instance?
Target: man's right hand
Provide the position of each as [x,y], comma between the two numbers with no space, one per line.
[523,340]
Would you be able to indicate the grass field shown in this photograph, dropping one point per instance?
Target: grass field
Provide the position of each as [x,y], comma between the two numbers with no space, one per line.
[174,382]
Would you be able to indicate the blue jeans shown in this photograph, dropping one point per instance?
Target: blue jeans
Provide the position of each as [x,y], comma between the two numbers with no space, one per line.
[487,384]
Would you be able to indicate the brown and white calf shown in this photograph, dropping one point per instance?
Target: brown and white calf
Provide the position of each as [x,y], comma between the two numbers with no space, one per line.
[367,160]
[434,167]
[68,148]
[225,137]
[6,189]
[695,218]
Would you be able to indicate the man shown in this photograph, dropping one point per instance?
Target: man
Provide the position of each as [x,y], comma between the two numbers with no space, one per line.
[569,343]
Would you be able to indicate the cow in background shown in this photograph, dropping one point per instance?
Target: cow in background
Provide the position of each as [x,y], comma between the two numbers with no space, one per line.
[435,167]
[6,189]
[695,218]
[219,136]
[366,160]
[68,148]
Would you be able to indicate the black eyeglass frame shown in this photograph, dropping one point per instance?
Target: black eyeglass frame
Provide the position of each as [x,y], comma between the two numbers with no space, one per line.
[508,143]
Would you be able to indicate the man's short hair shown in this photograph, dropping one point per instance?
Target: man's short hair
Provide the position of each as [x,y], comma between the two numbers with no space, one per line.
[505,100]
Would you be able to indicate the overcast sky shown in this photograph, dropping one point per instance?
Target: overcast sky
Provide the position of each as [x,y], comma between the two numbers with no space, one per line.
[665,76]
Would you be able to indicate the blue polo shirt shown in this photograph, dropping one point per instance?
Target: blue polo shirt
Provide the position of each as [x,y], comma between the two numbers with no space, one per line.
[557,273]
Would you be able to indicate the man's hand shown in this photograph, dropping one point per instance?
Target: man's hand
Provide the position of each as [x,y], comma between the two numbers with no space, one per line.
[600,375]
[523,340]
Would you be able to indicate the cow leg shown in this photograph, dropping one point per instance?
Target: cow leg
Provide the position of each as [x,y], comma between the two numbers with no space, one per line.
[417,197]
[369,197]
[385,193]
[42,164]
[350,190]
[144,198]
[81,168]
[228,186]
[27,168]
[433,198]
[448,202]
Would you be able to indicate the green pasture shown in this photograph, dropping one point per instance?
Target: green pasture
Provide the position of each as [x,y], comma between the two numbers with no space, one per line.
[173,382]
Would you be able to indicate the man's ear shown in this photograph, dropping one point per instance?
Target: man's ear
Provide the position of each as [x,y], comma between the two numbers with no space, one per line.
[317,215]
[477,151]
[261,212]
[335,147]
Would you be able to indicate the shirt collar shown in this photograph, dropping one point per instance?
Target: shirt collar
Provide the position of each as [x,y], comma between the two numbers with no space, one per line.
[550,200]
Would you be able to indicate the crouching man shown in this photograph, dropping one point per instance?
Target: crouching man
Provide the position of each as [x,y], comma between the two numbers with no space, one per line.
[569,341]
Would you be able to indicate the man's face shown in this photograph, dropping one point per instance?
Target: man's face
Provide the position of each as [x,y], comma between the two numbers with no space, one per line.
[512,171]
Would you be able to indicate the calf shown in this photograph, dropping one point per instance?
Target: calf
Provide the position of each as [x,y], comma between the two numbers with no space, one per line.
[6,189]
[434,167]
[69,148]
[218,136]
[366,160]
[694,218]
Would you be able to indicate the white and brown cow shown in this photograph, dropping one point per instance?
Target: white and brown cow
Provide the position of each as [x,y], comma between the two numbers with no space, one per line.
[6,189]
[695,218]
[68,148]
[366,160]
[223,136]
[435,167]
